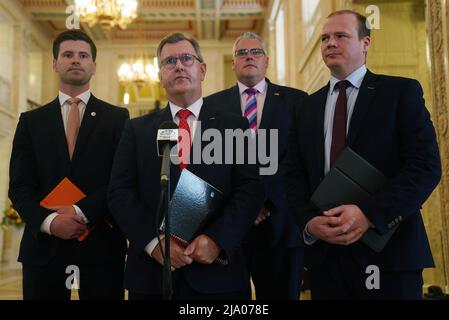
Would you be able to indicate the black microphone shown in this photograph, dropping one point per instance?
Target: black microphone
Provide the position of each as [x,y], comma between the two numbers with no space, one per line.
[167,137]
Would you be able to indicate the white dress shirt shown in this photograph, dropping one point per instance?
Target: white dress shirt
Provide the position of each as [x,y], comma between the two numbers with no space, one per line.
[261,94]
[192,120]
[65,109]
[352,92]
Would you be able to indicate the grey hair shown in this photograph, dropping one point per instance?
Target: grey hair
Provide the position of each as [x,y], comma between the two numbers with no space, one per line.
[175,38]
[250,35]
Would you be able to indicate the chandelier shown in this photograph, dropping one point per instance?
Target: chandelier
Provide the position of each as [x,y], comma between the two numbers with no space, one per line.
[108,13]
[139,72]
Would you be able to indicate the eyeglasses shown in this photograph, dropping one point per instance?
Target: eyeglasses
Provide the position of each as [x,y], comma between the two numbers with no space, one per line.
[186,59]
[255,52]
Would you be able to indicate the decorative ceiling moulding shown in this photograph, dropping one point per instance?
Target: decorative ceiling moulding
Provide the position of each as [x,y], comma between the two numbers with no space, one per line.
[203,19]
[169,4]
[44,4]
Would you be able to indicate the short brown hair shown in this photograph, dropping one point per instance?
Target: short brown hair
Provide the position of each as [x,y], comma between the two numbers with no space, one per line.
[175,38]
[73,35]
[364,26]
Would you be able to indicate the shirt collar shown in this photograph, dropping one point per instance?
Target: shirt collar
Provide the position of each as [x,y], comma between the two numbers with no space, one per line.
[195,108]
[355,78]
[85,96]
[261,87]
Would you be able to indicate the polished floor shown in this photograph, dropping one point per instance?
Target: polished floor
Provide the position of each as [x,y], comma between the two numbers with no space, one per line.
[11,285]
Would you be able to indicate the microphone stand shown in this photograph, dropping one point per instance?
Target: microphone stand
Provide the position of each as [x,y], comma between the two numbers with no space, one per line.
[167,282]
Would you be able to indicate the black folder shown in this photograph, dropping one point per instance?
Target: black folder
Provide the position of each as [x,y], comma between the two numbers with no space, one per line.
[193,204]
[350,180]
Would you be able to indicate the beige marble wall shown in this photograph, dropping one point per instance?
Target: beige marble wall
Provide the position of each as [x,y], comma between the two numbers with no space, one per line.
[105,83]
[437,18]
[15,42]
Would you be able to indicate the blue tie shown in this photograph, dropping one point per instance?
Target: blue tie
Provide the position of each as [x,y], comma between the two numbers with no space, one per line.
[251,108]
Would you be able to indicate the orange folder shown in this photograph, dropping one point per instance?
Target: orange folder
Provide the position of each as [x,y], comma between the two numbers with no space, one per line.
[65,194]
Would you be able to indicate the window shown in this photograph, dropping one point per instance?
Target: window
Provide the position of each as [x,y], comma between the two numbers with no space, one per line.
[309,8]
[280,46]
[6,62]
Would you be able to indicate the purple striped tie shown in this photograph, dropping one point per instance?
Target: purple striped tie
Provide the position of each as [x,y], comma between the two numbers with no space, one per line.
[251,108]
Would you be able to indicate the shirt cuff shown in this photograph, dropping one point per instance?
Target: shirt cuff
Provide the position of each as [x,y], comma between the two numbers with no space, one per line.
[149,248]
[45,226]
[81,214]
[308,238]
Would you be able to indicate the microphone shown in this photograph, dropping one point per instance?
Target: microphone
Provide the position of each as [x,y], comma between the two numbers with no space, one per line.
[166,134]
[167,137]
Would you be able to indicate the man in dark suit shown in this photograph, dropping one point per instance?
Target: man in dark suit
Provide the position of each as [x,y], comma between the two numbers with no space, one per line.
[74,136]
[135,188]
[273,249]
[385,121]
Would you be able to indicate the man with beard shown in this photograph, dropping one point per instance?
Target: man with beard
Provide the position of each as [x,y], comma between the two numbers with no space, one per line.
[74,137]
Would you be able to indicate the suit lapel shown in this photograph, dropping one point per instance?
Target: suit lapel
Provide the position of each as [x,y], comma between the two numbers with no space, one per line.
[207,116]
[319,104]
[90,119]
[364,100]
[166,115]
[234,102]
[271,103]
[57,126]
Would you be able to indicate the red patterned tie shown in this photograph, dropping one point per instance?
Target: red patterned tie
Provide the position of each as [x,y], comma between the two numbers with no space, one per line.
[73,124]
[340,118]
[184,138]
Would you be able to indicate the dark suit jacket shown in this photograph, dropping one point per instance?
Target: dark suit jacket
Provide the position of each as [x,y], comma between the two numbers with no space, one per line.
[278,111]
[134,194]
[40,160]
[390,128]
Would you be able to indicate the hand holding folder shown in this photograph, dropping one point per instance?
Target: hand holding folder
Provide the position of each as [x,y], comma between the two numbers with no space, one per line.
[65,194]
[350,180]
[193,204]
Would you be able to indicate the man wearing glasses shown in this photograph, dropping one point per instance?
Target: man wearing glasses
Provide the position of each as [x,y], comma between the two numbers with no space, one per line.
[273,249]
[135,189]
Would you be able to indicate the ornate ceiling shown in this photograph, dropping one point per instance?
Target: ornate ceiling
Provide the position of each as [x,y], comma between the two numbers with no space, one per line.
[204,19]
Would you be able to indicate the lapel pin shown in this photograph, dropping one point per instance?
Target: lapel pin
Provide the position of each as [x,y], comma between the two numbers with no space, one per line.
[371,88]
[93,114]
[277,94]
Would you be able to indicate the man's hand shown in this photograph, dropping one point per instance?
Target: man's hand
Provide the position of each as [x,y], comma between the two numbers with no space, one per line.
[328,228]
[178,258]
[349,214]
[64,210]
[203,250]
[263,214]
[67,226]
